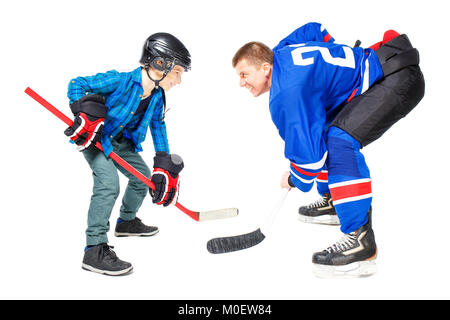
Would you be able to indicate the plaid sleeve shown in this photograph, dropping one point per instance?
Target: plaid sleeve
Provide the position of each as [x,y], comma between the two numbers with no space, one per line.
[158,131]
[101,83]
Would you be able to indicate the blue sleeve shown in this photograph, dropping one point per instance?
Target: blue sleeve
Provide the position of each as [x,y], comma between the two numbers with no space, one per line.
[101,83]
[301,121]
[312,31]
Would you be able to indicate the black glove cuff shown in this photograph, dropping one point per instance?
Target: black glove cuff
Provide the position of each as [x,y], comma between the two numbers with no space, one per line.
[171,163]
[92,105]
[290,182]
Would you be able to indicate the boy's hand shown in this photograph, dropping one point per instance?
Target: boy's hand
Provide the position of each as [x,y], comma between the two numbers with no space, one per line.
[84,132]
[90,112]
[165,176]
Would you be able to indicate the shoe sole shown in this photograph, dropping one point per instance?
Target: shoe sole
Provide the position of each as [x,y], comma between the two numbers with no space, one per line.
[327,219]
[127,234]
[353,270]
[106,272]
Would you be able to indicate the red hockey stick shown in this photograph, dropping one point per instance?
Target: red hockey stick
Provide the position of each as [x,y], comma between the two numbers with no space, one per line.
[196,215]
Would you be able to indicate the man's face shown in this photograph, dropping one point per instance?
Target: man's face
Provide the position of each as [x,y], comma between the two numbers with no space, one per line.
[255,79]
[172,78]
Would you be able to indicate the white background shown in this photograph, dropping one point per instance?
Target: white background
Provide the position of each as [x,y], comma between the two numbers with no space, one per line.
[232,152]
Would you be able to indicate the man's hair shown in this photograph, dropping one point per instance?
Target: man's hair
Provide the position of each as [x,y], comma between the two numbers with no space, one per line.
[255,53]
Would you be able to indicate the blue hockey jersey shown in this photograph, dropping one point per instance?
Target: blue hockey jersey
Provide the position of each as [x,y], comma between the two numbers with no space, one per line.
[312,78]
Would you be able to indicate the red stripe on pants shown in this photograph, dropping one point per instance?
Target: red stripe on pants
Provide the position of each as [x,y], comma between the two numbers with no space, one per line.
[352,190]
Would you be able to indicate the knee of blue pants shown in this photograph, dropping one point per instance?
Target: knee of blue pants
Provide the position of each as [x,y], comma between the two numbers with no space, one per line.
[106,183]
[145,170]
[345,160]
[137,185]
[104,173]
[344,156]
[348,179]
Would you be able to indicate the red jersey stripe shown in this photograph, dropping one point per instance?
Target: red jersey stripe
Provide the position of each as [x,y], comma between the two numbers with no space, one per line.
[306,173]
[323,176]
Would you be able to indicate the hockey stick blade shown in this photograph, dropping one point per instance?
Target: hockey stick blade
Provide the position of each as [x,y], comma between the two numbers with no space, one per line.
[247,240]
[235,243]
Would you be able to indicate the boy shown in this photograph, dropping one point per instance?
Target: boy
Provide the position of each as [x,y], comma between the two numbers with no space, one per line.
[116,109]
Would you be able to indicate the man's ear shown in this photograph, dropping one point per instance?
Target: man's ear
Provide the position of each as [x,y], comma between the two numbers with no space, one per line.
[267,68]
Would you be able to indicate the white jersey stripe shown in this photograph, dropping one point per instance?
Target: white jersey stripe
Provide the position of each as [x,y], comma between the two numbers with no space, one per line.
[347,183]
[302,179]
[314,166]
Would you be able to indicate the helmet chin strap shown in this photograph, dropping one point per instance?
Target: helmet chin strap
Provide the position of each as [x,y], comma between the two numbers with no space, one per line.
[156,81]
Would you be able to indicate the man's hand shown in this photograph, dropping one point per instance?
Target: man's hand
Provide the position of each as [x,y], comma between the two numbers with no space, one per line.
[165,176]
[286,181]
[90,112]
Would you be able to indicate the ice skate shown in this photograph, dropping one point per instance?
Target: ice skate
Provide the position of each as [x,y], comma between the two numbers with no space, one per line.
[322,212]
[352,256]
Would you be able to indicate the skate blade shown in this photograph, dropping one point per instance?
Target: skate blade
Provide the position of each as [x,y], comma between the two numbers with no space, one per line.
[325,219]
[353,270]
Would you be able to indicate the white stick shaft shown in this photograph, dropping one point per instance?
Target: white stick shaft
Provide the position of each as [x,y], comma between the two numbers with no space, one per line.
[268,222]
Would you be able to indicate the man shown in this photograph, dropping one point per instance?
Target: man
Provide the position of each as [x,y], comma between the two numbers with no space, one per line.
[328,101]
[117,109]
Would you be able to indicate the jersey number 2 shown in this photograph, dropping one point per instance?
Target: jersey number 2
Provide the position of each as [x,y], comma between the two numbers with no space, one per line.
[348,61]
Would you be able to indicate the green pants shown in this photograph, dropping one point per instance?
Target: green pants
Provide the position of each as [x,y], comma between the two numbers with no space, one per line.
[106,188]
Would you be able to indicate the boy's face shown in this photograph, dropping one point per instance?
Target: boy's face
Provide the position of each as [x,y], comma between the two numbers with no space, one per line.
[172,78]
[255,79]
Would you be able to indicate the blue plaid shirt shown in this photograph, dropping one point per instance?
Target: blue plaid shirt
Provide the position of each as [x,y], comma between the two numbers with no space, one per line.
[123,92]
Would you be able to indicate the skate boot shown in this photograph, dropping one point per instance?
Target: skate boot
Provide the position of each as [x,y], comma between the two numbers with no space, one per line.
[133,227]
[322,211]
[352,256]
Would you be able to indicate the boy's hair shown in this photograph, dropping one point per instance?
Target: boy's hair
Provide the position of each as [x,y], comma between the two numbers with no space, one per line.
[255,53]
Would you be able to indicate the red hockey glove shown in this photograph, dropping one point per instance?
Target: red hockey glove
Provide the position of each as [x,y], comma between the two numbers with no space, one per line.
[90,112]
[165,176]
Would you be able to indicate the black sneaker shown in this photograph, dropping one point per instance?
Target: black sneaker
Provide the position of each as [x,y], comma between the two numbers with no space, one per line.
[102,259]
[134,227]
[322,211]
[352,256]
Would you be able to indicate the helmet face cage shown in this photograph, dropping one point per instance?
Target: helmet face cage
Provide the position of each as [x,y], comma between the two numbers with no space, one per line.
[160,56]
[161,64]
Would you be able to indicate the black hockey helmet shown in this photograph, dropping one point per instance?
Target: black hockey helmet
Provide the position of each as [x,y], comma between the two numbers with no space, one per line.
[162,51]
